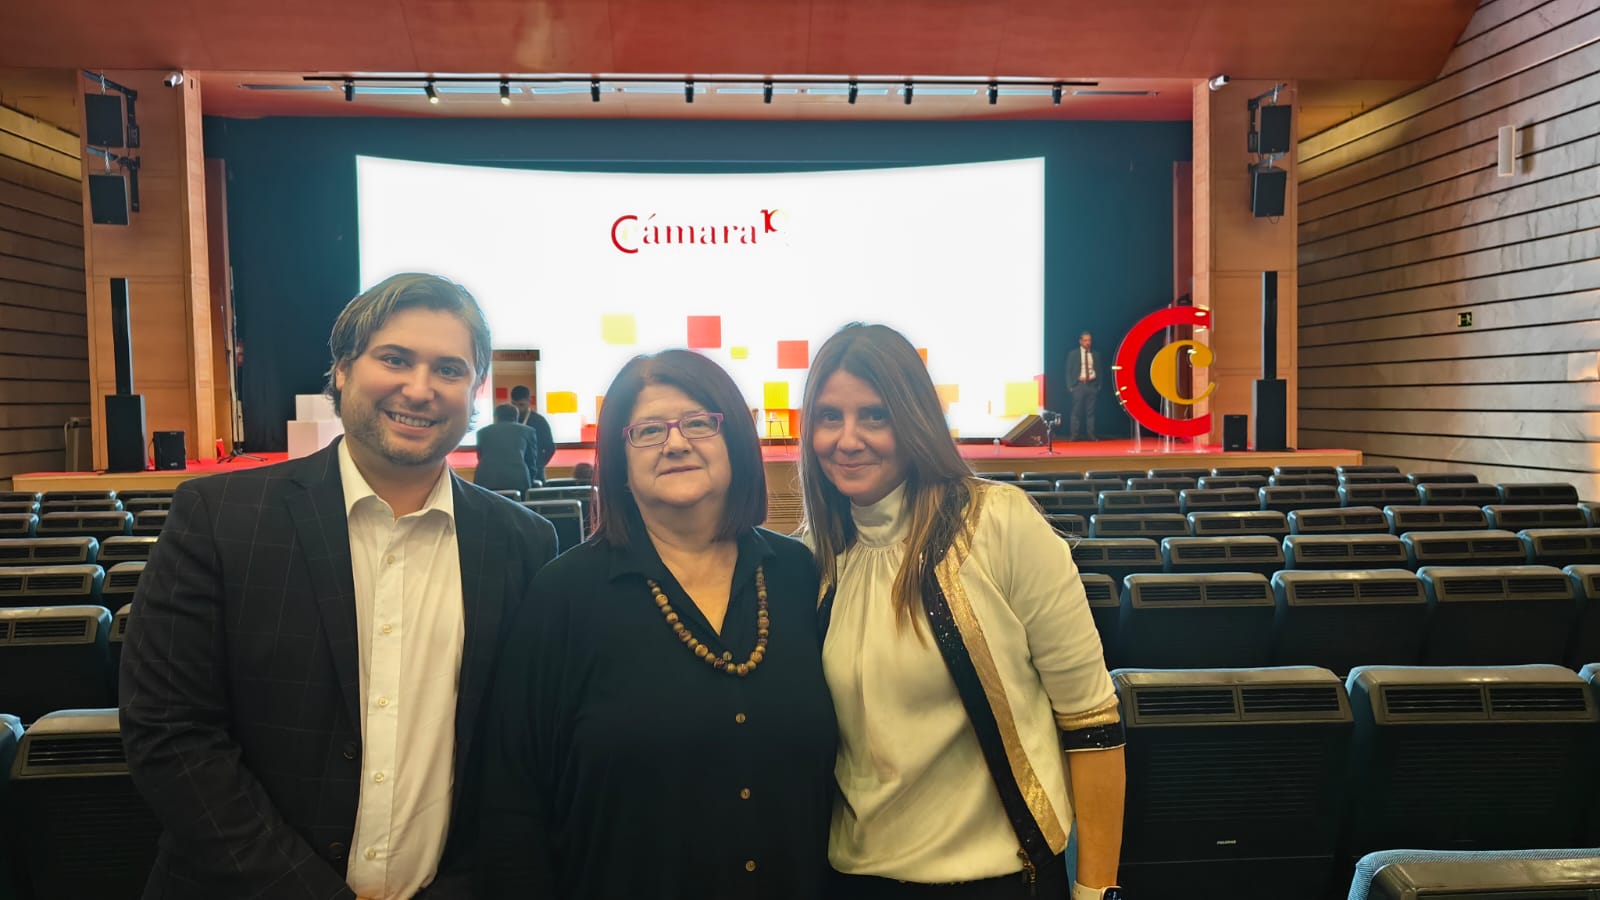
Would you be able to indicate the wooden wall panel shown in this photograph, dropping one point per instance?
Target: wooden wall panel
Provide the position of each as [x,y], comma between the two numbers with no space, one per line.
[1406,226]
[44,355]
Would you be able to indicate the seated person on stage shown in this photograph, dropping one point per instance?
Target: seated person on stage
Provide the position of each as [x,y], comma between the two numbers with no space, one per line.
[508,452]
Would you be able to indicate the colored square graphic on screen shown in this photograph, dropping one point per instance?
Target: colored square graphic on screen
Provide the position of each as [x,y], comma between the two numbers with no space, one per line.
[794,354]
[775,395]
[560,402]
[739,352]
[705,332]
[1022,398]
[619,328]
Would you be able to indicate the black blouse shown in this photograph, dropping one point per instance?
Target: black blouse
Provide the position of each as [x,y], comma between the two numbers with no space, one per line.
[619,765]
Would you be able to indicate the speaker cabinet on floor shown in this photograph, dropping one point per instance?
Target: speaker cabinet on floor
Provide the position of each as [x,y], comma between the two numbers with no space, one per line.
[1028,433]
[1236,432]
[170,452]
[125,433]
[1271,414]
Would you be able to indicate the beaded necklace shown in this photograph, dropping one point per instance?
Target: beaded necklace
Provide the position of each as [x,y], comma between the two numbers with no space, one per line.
[724,662]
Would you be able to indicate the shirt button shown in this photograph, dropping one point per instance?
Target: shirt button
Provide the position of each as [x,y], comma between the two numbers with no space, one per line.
[389,560]
[383,701]
[378,777]
[749,865]
[350,750]
[744,794]
[739,718]
[387,629]
[372,854]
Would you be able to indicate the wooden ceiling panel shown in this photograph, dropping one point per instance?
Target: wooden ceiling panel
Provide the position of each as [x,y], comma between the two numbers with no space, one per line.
[304,34]
[905,37]
[709,36]
[511,35]
[101,34]
[1140,38]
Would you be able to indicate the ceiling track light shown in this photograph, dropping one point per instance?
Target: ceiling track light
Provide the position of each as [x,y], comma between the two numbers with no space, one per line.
[908,92]
[433,95]
[766,92]
[994,93]
[853,91]
[688,91]
[349,90]
[505,92]
[1055,94]
[594,90]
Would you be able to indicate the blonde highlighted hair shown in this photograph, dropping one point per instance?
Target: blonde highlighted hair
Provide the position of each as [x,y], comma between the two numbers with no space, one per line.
[940,486]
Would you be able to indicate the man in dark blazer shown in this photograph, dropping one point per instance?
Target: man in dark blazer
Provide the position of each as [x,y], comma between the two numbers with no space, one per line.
[273,609]
[1083,383]
[522,399]
[508,452]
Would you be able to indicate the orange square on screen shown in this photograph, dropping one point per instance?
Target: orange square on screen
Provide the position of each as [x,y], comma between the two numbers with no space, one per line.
[705,332]
[794,354]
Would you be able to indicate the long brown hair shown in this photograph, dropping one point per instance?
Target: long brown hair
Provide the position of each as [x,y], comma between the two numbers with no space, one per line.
[939,483]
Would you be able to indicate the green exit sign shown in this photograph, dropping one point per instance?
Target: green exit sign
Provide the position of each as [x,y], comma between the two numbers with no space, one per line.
[1464,320]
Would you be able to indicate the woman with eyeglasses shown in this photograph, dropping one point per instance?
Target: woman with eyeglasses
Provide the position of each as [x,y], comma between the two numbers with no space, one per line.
[660,727]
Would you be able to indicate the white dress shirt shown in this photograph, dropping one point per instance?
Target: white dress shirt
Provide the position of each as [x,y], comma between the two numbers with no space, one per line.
[918,802]
[409,621]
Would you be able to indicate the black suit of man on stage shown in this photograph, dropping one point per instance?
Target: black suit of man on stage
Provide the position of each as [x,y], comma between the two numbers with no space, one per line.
[1083,383]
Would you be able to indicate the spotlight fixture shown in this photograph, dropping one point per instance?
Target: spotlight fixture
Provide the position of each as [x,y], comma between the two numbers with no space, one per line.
[994,93]
[433,95]
[850,94]
[688,91]
[1218,82]
[908,92]
[766,92]
[349,91]
[1055,94]
[505,92]
[594,90]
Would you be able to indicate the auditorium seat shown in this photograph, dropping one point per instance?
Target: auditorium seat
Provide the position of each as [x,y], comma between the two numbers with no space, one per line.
[19,507]
[1235,781]
[1517,518]
[1328,471]
[1562,547]
[587,495]
[1341,620]
[1309,479]
[1063,476]
[1343,551]
[1457,494]
[1000,476]
[1068,524]
[76,585]
[1067,502]
[19,496]
[1403,519]
[54,506]
[1121,475]
[122,582]
[88,832]
[126,548]
[1421,478]
[1592,511]
[1221,482]
[1220,524]
[1342,471]
[1345,520]
[146,494]
[1463,548]
[18,525]
[1044,476]
[1379,495]
[98,525]
[556,482]
[1289,499]
[1160,484]
[1094,487]
[1104,606]
[511,494]
[1258,471]
[1235,553]
[568,518]
[1550,874]
[1537,493]
[150,522]
[1117,557]
[1497,615]
[1191,474]
[51,496]
[48,551]
[1195,621]
[1470,758]
[1154,526]
[1033,486]
[145,504]
[119,633]
[54,657]
[1217,500]
[1126,501]
[1368,478]
[1585,647]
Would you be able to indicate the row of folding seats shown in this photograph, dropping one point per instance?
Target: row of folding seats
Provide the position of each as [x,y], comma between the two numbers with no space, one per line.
[1270,783]
[69,585]
[99,524]
[1088,497]
[1442,615]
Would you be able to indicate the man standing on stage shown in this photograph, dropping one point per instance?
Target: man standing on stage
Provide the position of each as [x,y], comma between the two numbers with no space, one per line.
[311,642]
[1083,383]
[522,399]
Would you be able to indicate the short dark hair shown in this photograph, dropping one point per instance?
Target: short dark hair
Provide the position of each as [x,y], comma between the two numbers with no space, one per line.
[366,314]
[521,392]
[505,412]
[711,387]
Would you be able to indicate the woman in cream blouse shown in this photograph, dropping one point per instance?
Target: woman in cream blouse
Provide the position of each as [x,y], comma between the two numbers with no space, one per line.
[977,721]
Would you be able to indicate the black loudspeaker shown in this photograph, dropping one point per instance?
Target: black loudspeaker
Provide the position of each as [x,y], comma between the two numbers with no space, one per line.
[1274,134]
[1028,433]
[1236,432]
[170,452]
[108,199]
[1267,186]
[1270,412]
[1269,325]
[125,443]
[102,116]
[121,335]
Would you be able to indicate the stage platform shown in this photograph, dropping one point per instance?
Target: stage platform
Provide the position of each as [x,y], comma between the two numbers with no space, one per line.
[783,483]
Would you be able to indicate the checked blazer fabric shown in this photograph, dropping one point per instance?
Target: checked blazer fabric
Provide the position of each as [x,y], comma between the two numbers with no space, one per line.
[240,678]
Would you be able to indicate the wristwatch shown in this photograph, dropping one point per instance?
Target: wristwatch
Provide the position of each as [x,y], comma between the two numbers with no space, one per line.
[1079,892]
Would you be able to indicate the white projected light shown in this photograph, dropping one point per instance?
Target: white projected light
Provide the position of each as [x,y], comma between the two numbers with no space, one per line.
[754,271]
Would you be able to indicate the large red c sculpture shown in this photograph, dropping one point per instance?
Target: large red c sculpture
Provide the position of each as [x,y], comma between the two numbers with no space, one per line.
[1128,358]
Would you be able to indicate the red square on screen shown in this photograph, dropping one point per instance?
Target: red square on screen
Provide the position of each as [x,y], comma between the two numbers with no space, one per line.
[705,332]
[794,354]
